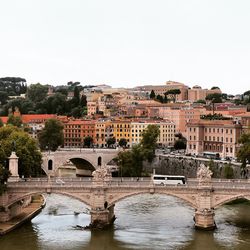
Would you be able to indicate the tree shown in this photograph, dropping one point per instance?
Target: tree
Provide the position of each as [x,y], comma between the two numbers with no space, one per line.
[131,162]
[51,137]
[214,98]
[13,85]
[215,87]
[111,141]
[152,94]
[181,142]
[88,141]
[14,120]
[149,141]
[228,172]
[3,97]
[244,151]
[159,98]
[201,101]
[83,101]
[4,175]
[26,149]
[37,92]
[173,93]
[122,142]
[1,123]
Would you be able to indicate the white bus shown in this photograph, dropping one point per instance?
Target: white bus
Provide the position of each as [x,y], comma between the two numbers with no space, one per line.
[169,179]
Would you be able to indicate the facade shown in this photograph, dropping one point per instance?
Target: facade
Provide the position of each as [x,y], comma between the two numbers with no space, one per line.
[122,129]
[92,108]
[167,131]
[217,136]
[161,89]
[103,131]
[180,117]
[197,93]
[76,130]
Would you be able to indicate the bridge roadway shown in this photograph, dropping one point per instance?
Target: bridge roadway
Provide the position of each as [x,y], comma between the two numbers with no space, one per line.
[101,197]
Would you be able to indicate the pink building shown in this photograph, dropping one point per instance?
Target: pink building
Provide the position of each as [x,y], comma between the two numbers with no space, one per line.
[217,136]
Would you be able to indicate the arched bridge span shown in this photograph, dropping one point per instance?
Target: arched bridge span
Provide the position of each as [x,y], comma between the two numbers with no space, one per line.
[51,161]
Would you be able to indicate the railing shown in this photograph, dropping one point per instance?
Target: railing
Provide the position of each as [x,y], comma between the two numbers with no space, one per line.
[82,182]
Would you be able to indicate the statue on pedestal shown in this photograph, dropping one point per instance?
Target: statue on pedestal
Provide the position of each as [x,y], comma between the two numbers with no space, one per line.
[204,174]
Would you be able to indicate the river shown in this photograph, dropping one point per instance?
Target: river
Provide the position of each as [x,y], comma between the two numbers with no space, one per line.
[143,222]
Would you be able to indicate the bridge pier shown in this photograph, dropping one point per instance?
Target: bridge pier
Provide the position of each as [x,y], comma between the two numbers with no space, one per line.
[204,219]
[102,218]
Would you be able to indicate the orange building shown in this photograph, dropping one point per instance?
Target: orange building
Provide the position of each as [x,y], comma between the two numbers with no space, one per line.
[76,130]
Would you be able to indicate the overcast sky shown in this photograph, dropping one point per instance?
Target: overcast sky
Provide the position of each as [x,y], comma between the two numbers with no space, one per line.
[125,43]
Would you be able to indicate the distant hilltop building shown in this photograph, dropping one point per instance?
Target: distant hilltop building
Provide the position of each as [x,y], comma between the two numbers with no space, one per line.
[187,94]
[197,93]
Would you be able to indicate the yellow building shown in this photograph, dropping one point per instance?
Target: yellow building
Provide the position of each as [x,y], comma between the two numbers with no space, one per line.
[122,129]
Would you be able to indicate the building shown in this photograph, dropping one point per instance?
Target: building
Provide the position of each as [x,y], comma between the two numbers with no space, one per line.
[167,131]
[92,108]
[122,129]
[197,93]
[103,131]
[76,130]
[217,136]
[161,89]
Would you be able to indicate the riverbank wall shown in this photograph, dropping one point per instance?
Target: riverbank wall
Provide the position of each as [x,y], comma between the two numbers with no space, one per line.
[187,166]
[27,213]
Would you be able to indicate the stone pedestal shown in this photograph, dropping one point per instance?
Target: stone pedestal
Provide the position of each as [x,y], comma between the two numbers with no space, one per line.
[204,219]
[13,167]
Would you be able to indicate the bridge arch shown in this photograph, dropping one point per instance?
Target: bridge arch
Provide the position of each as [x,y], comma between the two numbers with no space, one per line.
[95,157]
[113,199]
[227,199]
[86,201]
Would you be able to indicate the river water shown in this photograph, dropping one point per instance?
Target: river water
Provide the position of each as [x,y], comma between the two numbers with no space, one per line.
[143,222]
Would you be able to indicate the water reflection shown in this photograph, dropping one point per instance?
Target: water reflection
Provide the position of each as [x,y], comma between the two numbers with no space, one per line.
[143,222]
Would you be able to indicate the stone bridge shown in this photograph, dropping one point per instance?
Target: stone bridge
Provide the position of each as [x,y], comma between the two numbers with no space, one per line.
[101,197]
[101,192]
[93,158]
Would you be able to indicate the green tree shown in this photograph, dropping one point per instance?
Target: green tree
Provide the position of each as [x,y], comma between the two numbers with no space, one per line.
[228,172]
[26,149]
[83,101]
[14,120]
[51,136]
[173,93]
[37,92]
[181,142]
[214,98]
[3,97]
[201,101]
[131,162]
[122,142]
[159,98]
[243,153]
[1,123]
[149,141]
[4,174]
[152,94]
[111,141]
[215,87]
[13,85]
[88,141]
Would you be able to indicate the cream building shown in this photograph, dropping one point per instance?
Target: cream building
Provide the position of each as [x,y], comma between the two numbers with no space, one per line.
[167,131]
